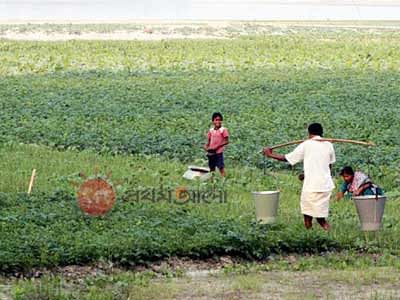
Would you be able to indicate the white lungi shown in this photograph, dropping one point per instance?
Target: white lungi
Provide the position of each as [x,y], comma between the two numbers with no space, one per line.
[315,204]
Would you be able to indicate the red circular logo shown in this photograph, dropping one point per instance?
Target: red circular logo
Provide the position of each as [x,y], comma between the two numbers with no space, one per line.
[96,197]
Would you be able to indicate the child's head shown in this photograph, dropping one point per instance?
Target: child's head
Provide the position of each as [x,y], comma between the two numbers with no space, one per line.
[315,129]
[217,119]
[347,173]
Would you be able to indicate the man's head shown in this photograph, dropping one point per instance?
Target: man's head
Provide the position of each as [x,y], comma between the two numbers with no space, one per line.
[347,173]
[217,119]
[315,129]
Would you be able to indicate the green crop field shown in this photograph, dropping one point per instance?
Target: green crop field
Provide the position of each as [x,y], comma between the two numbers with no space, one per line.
[141,109]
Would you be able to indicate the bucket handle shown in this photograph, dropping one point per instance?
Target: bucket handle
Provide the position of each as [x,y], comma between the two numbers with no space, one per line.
[276,180]
[375,191]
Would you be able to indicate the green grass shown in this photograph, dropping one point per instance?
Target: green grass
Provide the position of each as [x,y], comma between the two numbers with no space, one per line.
[47,229]
[108,96]
[141,110]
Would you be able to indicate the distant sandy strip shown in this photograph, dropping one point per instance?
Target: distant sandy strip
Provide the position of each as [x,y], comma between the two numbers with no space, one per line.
[155,30]
[127,36]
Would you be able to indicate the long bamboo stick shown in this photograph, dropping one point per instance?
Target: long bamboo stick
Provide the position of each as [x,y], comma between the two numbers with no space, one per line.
[31,181]
[332,140]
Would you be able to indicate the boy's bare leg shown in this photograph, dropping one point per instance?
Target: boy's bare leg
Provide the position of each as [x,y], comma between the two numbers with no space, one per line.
[308,221]
[222,171]
[212,175]
[324,224]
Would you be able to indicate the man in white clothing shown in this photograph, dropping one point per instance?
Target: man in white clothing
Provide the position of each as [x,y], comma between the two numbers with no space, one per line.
[317,157]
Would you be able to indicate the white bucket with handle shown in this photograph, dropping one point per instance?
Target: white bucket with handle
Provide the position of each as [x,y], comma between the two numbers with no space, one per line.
[370,210]
[266,204]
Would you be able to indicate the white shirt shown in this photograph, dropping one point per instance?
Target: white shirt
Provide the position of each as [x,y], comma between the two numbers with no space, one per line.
[316,156]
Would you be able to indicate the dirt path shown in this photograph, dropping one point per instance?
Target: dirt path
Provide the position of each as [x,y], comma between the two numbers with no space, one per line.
[204,284]
[372,284]
[5,291]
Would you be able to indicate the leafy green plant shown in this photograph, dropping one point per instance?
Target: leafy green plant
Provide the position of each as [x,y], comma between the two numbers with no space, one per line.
[141,110]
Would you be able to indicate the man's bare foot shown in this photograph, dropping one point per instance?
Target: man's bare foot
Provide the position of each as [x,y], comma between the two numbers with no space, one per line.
[308,226]
[324,224]
[326,227]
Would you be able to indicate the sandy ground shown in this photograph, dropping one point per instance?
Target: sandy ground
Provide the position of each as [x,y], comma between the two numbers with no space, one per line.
[126,36]
[161,30]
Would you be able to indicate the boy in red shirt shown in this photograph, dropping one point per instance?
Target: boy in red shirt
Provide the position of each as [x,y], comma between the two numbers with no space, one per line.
[217,139]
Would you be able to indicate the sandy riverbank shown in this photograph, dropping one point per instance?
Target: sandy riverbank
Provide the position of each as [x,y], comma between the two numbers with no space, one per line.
[153,30]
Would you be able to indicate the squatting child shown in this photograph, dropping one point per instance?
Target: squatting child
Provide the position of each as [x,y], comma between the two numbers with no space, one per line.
[356,184]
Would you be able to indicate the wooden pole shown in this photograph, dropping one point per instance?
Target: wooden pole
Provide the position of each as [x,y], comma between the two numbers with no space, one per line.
[287,144]
[369,144]
[31,181]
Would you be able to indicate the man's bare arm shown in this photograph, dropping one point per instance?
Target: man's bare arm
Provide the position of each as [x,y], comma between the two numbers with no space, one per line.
[269,153]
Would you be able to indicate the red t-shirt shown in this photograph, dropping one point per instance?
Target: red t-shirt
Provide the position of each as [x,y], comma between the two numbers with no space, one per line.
[216,138]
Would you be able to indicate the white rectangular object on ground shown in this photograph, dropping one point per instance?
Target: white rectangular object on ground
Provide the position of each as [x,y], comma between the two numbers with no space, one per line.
[195,172]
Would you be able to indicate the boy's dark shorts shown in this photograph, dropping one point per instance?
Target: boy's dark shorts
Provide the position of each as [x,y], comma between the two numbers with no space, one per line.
[216,160]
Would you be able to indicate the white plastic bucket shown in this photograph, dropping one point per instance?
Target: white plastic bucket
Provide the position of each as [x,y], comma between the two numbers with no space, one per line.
[370,210]
[266,204]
